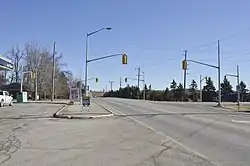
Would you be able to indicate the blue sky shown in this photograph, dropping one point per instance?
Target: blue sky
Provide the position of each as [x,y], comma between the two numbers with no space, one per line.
[152,33]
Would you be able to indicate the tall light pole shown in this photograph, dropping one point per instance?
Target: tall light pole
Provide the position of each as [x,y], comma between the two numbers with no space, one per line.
[237,75]
[86,59]
[53,72]
[201,79]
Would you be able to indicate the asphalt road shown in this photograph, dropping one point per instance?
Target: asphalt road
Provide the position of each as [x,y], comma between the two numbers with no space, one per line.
[29,136]
[221,136]
[16,122]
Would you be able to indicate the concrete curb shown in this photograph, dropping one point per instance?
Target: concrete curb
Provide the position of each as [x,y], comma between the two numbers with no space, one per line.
[58,115]
[88,117]
[46,102]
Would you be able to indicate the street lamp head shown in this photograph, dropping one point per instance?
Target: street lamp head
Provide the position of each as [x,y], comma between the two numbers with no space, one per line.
[109,28]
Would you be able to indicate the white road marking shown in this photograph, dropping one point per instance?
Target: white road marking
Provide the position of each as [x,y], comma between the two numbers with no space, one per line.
[164,135]
[241,121]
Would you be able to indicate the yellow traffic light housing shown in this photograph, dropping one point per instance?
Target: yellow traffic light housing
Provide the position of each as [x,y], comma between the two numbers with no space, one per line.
[126,79]
[184,64]
[124,59]
[96,79]
[33,75]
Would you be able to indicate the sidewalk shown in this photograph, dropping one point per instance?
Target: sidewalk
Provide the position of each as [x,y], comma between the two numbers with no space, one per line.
[77,111]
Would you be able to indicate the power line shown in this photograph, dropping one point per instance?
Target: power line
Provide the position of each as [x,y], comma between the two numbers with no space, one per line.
[229,37]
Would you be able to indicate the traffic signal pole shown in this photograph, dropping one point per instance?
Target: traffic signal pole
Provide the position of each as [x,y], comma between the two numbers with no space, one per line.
[213,66]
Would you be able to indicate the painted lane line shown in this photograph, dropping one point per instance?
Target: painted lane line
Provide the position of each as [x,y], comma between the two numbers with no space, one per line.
[165,136]
[241,121]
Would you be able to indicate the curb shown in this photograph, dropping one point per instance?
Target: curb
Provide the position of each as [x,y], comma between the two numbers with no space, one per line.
[87,117]
[56,114]
[68,103]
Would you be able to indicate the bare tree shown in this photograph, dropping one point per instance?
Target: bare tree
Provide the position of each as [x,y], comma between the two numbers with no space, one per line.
[39,60]
[16,55]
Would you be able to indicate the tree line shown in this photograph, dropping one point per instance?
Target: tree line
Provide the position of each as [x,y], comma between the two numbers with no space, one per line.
[34,58]
[176,92]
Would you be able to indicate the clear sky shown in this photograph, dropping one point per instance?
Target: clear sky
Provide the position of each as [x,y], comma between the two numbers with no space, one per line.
[152,33]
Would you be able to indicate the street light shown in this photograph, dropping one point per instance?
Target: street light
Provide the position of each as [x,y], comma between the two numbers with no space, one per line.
[237,75]
[201,79]
[86,60]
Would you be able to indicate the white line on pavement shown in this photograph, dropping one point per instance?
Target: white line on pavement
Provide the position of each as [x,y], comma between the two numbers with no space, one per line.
[241,121]
[164,135]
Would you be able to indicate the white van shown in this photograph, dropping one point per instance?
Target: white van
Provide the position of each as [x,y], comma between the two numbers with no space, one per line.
[5,99]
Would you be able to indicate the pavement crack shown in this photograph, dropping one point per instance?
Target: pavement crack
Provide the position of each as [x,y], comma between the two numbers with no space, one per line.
[8,147]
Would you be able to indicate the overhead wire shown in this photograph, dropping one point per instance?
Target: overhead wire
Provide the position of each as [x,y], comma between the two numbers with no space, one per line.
[229,37]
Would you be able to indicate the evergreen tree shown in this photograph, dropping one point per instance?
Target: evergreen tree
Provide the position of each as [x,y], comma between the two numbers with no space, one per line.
[243,91]
[193,88]
[226,87]
[208,91]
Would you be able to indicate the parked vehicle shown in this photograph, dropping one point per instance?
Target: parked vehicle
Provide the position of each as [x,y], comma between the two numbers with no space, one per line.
[5,98]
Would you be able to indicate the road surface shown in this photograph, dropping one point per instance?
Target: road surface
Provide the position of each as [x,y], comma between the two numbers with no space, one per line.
[222,137]
[16,123]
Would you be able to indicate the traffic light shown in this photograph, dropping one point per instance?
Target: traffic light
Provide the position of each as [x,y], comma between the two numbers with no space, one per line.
[126,79]
[96,79]
[33,75]
[124,59]
[184,64]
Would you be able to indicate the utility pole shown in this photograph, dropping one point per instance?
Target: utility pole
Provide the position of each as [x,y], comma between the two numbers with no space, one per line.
[185,73]
[120,82]
[21,88]
[36,84]
[36,79]
[138,79]
[111,85]
[238,87]
[53,73]
[144,90]
[219,86]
